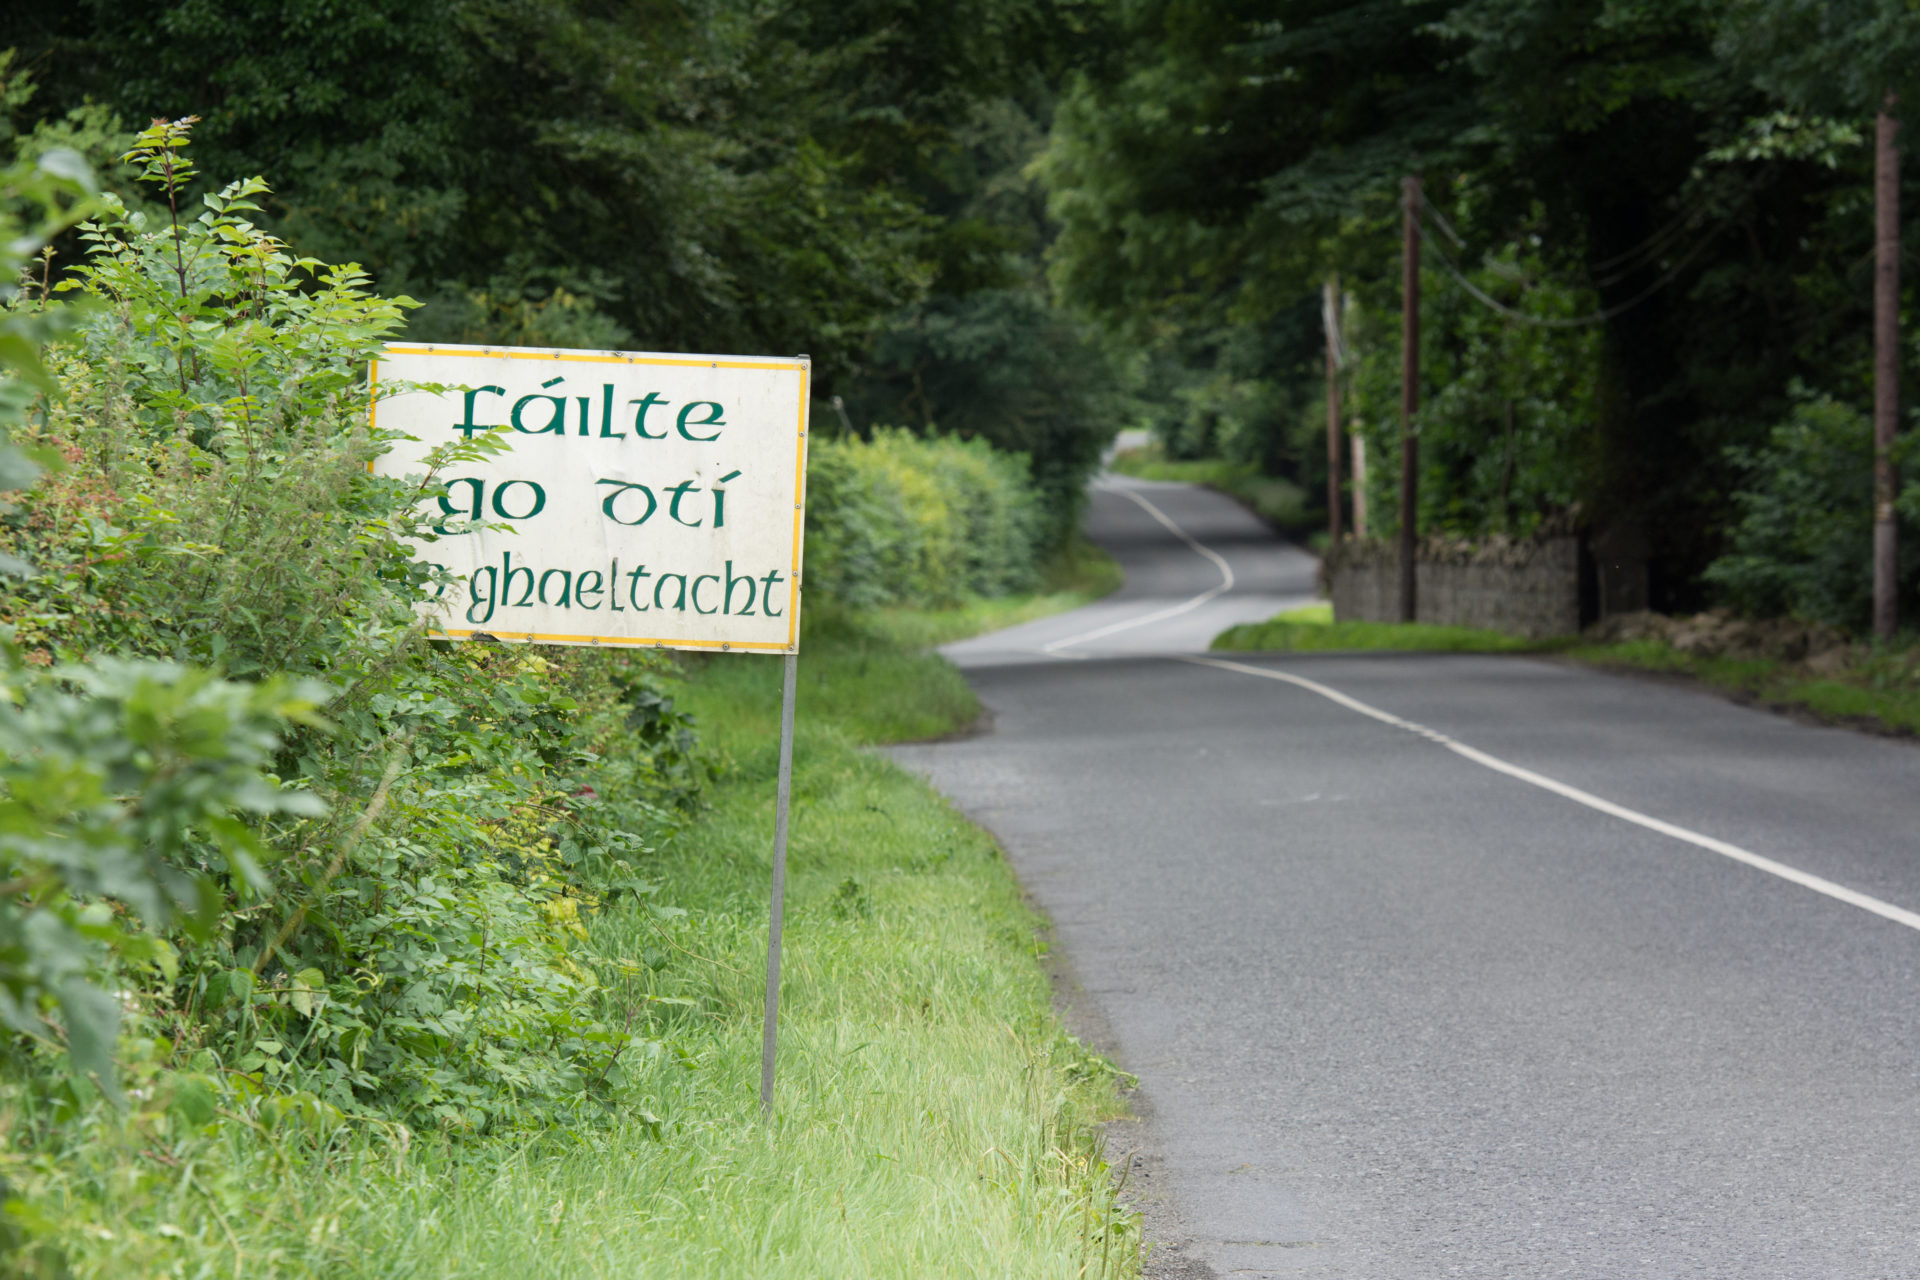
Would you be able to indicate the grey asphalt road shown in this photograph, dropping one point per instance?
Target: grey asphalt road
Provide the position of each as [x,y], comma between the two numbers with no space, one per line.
[1168,602]
[1397,1014]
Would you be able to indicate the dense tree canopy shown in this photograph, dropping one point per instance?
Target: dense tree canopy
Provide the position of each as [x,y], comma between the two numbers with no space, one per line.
[1036,220]
[1670,163]
[712,175]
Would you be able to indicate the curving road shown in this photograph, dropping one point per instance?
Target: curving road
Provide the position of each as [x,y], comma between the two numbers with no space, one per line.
[1437,966]
[1175,597]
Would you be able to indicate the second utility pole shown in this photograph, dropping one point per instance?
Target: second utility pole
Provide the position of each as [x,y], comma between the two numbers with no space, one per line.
[1409,399]
[1330,316]
[1886,369]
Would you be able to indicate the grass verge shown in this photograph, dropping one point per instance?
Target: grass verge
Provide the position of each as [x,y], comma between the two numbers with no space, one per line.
[933,1118]
[1312,629]
[1878,690]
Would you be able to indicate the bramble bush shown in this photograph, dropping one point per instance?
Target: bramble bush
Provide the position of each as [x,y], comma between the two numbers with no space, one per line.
[1803,544]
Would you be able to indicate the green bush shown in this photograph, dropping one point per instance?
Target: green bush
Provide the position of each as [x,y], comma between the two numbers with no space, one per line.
[120,781]
[904,519]
[395,927]
[1803,545]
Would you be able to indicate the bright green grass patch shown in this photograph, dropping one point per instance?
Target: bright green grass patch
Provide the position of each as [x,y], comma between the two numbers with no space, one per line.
[1280,501]
[851,676]
[1309,614]
[1312,629]
[932,1117]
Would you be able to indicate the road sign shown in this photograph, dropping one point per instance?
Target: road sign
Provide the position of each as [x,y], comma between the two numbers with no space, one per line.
[642,499]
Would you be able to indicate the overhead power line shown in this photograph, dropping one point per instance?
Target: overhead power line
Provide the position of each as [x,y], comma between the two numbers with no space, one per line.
[1622,264]
[1440,223]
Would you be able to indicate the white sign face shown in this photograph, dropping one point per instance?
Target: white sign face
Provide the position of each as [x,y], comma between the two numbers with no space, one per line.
[652,500]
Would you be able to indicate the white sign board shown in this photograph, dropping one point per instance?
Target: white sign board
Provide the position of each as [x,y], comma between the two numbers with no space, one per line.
[645,499]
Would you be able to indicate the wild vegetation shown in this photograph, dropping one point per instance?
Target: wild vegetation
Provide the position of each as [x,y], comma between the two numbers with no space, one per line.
[846,180]
[328,948]
[306,918]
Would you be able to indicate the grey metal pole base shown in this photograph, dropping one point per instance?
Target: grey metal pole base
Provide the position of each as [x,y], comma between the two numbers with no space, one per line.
[783,795]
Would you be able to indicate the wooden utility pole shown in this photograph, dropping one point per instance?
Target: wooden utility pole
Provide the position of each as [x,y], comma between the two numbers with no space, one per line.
[1886,368]
[1330,313]
[1359,472]
[1409,397]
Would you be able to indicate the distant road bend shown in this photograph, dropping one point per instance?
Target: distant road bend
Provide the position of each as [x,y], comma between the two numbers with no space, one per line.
[1440,966]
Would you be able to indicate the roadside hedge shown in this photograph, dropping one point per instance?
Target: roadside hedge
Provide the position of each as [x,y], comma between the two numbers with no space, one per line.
[905,519]
[260,831]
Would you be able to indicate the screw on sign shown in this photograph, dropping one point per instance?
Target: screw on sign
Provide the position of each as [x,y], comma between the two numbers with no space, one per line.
[628,498]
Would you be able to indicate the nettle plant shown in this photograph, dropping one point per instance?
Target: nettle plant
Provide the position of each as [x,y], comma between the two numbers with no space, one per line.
[403,931]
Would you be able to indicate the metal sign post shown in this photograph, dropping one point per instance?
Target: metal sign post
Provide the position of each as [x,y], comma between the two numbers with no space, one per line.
[770,1032]
[637,499]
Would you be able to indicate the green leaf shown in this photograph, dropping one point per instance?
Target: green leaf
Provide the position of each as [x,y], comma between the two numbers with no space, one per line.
[91,1018]
[310,985]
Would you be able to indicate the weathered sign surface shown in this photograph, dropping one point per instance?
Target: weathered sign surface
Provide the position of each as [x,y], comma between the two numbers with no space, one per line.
[644,499]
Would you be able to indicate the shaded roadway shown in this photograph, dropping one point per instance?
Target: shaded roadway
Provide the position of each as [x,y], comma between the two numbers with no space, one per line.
[1397,1015]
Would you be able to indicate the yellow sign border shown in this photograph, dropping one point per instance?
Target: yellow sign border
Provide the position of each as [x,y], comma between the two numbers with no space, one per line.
[772,364]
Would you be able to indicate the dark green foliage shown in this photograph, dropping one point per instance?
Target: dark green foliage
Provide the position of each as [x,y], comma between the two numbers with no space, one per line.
[1661,165]
[842,180]
[1001,366]
[1803,546]
[716,176]
[986,354]
[1840,57]
[635,174]
[1506,427]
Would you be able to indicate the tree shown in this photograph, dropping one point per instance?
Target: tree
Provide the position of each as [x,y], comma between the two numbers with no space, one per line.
[1851,60]
[1235,153]
[843,180]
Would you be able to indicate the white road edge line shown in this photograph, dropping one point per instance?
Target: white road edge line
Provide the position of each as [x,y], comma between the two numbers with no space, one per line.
[1839,892]
[1174,611]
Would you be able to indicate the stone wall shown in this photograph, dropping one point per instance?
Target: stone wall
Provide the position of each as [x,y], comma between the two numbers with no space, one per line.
[1527,588]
